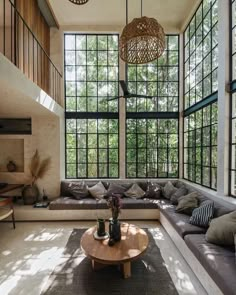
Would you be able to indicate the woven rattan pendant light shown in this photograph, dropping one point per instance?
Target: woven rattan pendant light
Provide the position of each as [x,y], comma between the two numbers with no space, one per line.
[79,2]
[142,40]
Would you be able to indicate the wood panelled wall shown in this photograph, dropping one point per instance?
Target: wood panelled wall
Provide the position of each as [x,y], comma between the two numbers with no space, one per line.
[30,57]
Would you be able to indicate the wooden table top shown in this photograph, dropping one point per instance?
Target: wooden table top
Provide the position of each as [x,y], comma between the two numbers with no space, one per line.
[134,242]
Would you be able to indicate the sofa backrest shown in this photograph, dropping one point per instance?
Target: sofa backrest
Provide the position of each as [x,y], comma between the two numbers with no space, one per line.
[127,183]
[221,206]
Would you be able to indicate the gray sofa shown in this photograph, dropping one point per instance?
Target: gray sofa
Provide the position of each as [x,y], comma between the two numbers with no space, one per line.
[67,202]
[218,261]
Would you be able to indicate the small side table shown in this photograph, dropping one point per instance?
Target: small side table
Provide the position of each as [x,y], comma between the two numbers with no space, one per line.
[6,209]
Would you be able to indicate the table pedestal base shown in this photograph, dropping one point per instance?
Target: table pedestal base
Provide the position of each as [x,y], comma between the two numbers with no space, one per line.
[125,268]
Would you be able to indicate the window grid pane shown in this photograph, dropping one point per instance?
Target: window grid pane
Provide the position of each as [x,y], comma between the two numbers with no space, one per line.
[159,78]
[152,148]
[91,78]
[201,54]
[200,146]
[233,102]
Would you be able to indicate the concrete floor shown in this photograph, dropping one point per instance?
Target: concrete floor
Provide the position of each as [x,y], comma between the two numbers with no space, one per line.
[29,254]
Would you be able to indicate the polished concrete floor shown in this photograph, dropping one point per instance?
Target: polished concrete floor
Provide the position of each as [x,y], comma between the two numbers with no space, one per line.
[29,254]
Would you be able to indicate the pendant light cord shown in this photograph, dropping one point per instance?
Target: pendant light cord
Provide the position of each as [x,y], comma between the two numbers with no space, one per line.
[141,8]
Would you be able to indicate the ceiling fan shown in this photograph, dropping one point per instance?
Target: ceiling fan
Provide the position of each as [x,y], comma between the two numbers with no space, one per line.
[127,94]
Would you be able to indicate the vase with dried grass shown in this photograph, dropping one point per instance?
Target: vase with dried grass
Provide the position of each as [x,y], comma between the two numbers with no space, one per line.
[38,168]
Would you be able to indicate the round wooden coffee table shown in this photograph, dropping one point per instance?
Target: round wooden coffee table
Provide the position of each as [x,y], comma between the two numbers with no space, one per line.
[134,242]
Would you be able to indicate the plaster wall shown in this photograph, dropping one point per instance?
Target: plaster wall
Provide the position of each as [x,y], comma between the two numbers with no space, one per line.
[46,138]
[12,150]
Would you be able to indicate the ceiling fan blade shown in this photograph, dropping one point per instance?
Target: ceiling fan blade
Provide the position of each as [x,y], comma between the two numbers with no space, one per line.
[141,96]
[124,87]
[113,98]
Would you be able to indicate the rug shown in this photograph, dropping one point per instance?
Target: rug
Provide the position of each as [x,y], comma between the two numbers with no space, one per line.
[75,276]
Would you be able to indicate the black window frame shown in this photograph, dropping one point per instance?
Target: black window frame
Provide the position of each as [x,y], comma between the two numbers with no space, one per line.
[232,90]
[205,99]
[193,54]
[153,115]
[92,115]
[197,134]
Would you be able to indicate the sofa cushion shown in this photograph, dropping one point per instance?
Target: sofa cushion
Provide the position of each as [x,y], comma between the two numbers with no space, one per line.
[130,203]
[179,221]
[222,230]
[98,191]
[187,204]
[115,188]
[202,215]
[134,192]
[168,190]
[65,186]
[66,203]
[79,190]
[153,190]
[218,262]
[182,191]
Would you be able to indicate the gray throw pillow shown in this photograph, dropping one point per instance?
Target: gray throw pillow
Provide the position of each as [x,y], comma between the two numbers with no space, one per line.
[187,204]
[78,190]
[182,191]
[115,188]
[222,230]
[202,215]
[168,190]
[153,190]
[135,192]
[97,191]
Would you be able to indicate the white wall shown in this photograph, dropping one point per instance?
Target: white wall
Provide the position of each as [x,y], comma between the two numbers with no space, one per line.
[46,138]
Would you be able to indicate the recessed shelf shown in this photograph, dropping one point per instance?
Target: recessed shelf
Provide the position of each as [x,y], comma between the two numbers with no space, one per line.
[12,150]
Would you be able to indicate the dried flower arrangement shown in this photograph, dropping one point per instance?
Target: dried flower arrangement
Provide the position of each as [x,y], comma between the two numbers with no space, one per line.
[38,168]
[114,202]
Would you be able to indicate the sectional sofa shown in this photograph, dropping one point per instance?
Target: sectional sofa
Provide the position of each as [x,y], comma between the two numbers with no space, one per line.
[214,265]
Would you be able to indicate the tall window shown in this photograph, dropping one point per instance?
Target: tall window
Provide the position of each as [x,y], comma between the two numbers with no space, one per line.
[152,124]
[200,95]
[200,146]
[201,53]
[92,120]
[92,125]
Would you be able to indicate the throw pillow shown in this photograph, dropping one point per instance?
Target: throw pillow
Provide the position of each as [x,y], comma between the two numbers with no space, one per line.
[78,190]
[222,230]
[168,190]
[187,203]
[97,191]
[153,190]
[135,192]
[182,191]
[115,188]
[202,215]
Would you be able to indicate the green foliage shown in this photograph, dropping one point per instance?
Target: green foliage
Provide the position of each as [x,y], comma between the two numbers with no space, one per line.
[201,53]
[200,146]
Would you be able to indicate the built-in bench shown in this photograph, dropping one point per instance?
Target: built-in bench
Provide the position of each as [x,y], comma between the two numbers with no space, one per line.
[214,265]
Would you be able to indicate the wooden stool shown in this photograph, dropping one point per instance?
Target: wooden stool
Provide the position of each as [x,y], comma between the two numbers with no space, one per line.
[6,209]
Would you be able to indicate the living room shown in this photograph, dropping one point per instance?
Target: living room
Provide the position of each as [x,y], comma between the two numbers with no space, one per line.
[117,140]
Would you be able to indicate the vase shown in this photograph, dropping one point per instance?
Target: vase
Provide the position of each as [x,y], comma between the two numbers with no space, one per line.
[114,229]
[30,194]
[11,166]
[101,227]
